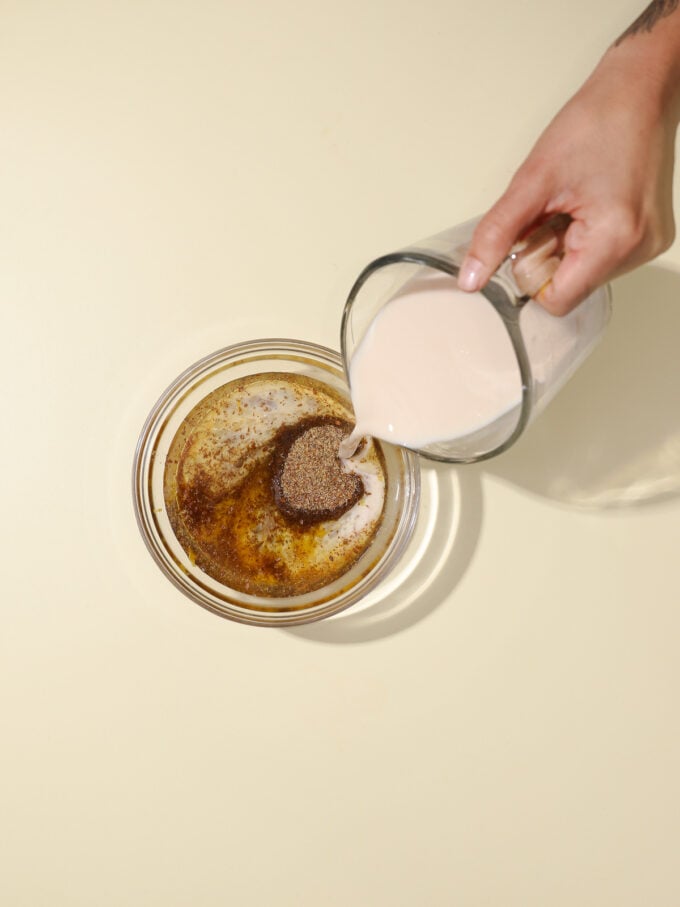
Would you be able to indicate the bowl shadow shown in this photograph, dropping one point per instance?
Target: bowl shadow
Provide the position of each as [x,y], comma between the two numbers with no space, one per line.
[444,542]
[611,438]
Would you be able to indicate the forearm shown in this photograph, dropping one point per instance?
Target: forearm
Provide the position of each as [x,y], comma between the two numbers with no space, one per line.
[647,56]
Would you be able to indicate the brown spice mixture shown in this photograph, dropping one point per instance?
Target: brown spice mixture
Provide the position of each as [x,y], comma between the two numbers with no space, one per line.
[309,482]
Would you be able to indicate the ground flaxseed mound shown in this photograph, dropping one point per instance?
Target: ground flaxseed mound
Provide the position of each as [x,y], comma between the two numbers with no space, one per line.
[310,484]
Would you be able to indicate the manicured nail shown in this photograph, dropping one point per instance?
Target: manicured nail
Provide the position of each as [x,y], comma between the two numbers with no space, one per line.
[470,275]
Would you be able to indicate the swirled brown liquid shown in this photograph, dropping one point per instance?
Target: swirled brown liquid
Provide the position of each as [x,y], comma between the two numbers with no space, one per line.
[255,495]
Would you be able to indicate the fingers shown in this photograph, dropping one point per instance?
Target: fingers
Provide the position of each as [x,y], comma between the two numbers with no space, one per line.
[495,234]
[538,255]
[585,266]
[597,249]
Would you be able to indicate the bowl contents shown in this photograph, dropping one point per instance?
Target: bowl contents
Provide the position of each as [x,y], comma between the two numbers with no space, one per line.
[310,483]
[256,494]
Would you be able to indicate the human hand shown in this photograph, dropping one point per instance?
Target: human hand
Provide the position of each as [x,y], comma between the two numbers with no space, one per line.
[607,161]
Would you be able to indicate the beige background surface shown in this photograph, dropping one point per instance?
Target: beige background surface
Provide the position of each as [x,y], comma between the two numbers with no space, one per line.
[175,177]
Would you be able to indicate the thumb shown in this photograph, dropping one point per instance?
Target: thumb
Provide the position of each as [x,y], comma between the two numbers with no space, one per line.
[498,230]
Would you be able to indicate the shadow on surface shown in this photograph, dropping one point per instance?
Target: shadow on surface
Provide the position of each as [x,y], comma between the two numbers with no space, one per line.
[612,436]
[444,543]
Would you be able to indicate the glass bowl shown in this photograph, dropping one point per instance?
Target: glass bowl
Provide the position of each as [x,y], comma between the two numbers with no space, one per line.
[192,386]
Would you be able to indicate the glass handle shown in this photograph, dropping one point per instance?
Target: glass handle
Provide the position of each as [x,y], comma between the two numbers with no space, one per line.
[536,256]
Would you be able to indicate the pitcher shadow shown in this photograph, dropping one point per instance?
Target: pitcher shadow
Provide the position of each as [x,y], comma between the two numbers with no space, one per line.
[611,438]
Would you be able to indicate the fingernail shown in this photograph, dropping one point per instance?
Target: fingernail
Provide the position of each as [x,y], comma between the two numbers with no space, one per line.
[470,275]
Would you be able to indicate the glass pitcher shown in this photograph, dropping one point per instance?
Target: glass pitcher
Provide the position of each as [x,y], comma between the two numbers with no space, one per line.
[540,351]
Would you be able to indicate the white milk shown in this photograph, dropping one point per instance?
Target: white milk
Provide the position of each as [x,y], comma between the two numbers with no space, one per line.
[437,364]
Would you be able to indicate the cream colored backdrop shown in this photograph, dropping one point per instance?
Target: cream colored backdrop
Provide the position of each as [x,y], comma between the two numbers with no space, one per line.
[178,176]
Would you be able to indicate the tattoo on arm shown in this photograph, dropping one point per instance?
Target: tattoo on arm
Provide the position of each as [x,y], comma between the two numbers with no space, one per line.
[646,21]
